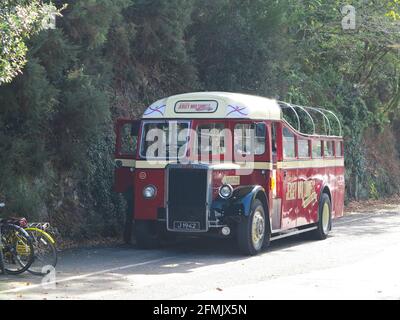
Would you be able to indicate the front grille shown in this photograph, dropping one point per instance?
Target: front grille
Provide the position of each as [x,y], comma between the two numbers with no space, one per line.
[187,200]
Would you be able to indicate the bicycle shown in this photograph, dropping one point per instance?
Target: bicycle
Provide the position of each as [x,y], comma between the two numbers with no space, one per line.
[45,251]
[16,246]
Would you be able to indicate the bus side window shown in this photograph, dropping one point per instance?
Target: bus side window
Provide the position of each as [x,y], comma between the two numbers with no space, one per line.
[242,138]
[289,150]
[339,150]
[303,148]
[316,149]
[250,138]
[261,132]
[329,145]
[273,140]
[128,135]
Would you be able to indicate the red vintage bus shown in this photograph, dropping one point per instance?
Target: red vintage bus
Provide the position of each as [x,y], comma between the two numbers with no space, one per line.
[231,164]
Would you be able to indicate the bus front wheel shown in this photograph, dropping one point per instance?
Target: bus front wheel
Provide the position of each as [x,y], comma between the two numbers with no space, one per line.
[252,233]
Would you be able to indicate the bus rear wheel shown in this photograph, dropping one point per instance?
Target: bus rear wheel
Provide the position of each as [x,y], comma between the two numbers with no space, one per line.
[252,233]
[324,218]
[146,233]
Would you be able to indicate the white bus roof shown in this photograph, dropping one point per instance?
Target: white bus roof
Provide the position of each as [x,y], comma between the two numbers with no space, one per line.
[225,105]
[215,105]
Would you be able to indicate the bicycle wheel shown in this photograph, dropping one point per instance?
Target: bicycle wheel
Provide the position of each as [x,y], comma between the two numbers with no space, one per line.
[45,251]
[18,251]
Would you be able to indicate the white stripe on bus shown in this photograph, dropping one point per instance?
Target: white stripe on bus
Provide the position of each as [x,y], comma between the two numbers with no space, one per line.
[295,164]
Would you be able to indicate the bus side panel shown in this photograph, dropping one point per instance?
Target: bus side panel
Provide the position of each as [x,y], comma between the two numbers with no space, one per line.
[290,209]
[339,192]
[331,177]
[334,180]
[318,180]
[331,184]
[123,179]
[307,182]
[147,209]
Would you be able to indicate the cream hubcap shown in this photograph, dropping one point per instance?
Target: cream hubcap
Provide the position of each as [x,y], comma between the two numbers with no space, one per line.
[325,218]
[258,230]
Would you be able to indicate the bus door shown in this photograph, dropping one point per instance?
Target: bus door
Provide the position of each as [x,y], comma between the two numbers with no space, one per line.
[250,145]
[288,177]
[127,132]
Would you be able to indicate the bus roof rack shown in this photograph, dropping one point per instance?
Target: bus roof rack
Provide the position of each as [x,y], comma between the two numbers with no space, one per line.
[311,120]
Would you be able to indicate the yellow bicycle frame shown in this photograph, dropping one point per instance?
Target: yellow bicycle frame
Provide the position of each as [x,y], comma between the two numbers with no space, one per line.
[48,236]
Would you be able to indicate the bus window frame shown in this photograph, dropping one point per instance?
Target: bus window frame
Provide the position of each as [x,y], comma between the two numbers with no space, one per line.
[268,143]
[339,153]
[255,123]
[274,130]
[326,142]
[309,148]
[283,144]
[135,126]
[320,156]
[155,121]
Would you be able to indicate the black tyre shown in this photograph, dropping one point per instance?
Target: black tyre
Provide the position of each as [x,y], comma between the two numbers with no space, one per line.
[45,252]
[147,236]
[17,249]
[324,218]
[253,231]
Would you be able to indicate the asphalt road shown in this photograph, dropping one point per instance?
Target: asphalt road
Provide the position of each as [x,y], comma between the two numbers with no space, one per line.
[360,260]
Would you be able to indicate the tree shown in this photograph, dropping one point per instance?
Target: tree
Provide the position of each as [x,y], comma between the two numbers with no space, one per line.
[238,44]
[19,20]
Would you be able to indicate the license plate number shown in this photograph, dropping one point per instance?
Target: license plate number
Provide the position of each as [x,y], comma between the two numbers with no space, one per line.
[186,225]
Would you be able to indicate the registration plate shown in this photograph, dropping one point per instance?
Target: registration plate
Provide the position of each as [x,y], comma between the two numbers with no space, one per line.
[187,225]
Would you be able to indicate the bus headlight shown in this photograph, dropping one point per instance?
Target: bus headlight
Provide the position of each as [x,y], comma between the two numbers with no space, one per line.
[149,192]
[226,191]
